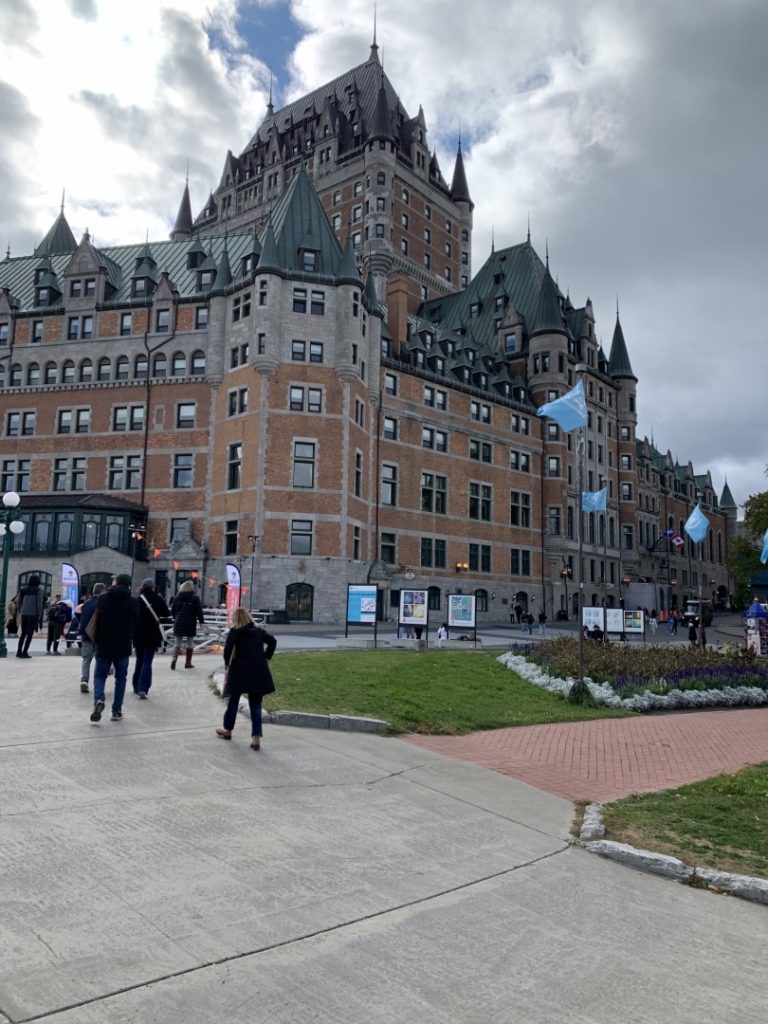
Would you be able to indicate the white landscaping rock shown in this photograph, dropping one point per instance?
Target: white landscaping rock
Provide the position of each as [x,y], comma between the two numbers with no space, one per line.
[740,885]
[592,826]
[643,860]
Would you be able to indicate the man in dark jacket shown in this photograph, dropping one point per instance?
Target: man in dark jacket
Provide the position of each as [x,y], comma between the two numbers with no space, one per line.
[30,604]
[87,648]
[116,616]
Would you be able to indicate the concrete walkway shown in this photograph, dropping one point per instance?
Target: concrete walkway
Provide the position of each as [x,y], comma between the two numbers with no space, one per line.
[152,874]
[610,758]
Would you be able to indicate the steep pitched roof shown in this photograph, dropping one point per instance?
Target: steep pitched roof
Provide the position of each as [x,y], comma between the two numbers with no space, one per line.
[459,186]
[183,225]
[58,240]
[618,361]
[726,499]
[548,318]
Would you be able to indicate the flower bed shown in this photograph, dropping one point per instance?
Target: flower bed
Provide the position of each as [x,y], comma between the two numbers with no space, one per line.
[644,679]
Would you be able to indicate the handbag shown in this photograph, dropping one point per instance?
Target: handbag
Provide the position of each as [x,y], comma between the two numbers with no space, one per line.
[90,629]
[225,687]
[154,616]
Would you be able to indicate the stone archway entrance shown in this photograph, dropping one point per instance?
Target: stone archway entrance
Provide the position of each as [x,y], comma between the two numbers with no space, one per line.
[299,602]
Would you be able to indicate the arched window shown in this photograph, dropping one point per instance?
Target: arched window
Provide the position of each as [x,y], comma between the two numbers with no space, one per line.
[86,371]
[33,373]
[711,546]
[179,365]
[14,379]
[68,372]
[611,533]
[141,366]
[719,547]
[51,373]
[481,600]
[570,522]
[198,363]
[122,368]
[160,365]
[105,368]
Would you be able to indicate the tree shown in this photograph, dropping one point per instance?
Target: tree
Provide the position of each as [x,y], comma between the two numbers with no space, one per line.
[756,514]
[743,563]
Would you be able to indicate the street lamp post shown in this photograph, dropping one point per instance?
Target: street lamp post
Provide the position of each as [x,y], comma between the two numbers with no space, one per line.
[10,523]
[579,688]
[254,539]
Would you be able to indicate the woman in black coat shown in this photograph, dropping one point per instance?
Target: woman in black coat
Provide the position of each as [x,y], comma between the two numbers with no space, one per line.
[147,635]
[187,612]
[246,653]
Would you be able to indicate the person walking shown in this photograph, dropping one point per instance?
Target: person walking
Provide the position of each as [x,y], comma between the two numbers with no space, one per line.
[149,635]
[442,634]
[30,604]
[653,622]
[87,648]
[187,612]
[542,623]
[693,636]
[59,615]
[11,618]
[247,651]
[116,616]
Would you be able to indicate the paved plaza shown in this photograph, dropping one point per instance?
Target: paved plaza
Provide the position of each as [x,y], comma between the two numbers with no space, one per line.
[152,874]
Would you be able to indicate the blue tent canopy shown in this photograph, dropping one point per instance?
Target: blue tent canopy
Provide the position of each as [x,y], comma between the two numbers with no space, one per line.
[755,611]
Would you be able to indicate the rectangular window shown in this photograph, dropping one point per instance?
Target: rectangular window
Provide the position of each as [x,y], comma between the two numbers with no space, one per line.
[626,462]
[74,325]
[317,304]
[126,323]
[315,351]
[626,492]
[426,552]
[298,351]
[485,558]
[301,536]
[390,383]
[182,471]
[520,509]
[480,412]
[90,287]
[64,425]
[124,472]
[520,562]
[358,474]
[77,480]
[629,538]
[390,428]
[314,400]
[388,484]
[201,317]
[356,543]
[179,529]
[82,421]
[75,289]
[480,451]
[230,537]
[626,433]
[185,415]
[299,300]
[553,520]
[60,474]
[13,424]
[136,420]
[296,399]
[388,548]
[480,501]
[163,320]
[441,441]
[303,464]
[87,331]
[520,461]
[234,466]
[553,465]
[37,331]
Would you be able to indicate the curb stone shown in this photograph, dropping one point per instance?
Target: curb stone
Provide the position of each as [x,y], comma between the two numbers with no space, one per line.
[744,886]
[302,719]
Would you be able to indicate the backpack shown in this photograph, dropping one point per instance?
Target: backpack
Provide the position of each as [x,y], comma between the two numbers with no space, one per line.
[60,613]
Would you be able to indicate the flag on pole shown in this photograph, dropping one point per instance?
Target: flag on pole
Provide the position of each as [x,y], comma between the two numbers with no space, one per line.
[668,534]
[697,525]
[156,552]
[570,411]
[594,501]
[677,540]
[764,556]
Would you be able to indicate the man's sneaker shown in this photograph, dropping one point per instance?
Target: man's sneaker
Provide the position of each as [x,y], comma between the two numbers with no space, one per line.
[117,716]
[98,707]
[84,686]
[142,695]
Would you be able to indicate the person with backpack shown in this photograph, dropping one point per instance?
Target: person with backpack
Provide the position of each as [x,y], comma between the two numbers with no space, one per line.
[87,648]
[30,604]
[111,628]
[148,636]
[59,614]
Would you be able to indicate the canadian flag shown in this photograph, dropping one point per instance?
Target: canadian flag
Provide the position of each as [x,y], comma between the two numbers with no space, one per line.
[678,541]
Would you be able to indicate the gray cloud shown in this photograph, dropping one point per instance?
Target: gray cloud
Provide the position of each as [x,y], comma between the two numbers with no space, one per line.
[86,10]
[17,127]
[18,22]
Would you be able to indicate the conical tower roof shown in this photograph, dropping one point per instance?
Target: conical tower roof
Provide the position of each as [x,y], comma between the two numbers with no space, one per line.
[547,318]
[726,499]
[459,186]
[382,121]
[269,258]
[618,361]
[372,299]
[58,240]
[183,226]
[348,269]
[224,275]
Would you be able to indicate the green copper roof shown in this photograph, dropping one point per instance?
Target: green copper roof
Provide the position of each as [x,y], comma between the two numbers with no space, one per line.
[619,363]
[548,318]
[301,225]
[459,186]
[726,499]
[372,299]
[348,269]
[183,225]
[58,240]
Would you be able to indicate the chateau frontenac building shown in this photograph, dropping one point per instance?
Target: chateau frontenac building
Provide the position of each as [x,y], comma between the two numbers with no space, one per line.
[308,381]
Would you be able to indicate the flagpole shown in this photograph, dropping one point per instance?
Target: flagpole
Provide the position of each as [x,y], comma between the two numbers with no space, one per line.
[580,687]
[605,572]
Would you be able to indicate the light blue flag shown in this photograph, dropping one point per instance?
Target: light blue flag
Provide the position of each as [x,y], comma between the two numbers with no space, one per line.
[697,525]
[568,412]
[594,501]
[764,556]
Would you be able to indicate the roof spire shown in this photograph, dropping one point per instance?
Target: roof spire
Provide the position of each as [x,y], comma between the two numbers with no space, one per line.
[546,251]
[493,238]
[184,226]
[8,252]
[529,227]
[63,196]
[374,56]
[270,105]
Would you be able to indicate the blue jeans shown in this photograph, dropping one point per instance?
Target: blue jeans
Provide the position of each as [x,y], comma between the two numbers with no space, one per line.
[142,672]
[100,674]
[254,702]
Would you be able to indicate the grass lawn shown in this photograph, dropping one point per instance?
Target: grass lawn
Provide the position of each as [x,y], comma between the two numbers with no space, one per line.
[719,823]
[446,692]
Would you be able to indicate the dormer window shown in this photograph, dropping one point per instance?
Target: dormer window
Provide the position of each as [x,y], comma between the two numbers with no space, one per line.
[248,264]
[75,289]
[510,342]
[500,302]
[205,280]
[39,274]
[194,259]
[139,288]
[41,296]
[90,287]
[4,333]
[308,260]
[474,311]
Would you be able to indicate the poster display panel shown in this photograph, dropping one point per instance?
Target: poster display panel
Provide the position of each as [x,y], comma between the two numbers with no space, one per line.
[233,590]
[361,604]
[413,607]
[615,620]
[461,611]
[591,617]
[634,621]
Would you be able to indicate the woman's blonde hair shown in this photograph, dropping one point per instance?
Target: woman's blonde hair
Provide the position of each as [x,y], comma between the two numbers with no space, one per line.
[186,586]
[241,617]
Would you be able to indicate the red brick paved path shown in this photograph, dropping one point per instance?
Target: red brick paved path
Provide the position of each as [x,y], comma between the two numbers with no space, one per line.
[609,758]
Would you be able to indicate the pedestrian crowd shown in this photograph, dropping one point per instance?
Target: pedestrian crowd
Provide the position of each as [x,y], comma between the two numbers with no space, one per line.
[112,624]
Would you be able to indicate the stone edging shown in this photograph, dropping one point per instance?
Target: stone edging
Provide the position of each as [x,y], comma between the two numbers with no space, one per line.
[339,723]
[744,886]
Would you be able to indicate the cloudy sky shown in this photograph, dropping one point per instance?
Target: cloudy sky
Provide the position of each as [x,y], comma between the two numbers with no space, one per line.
[632,132]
